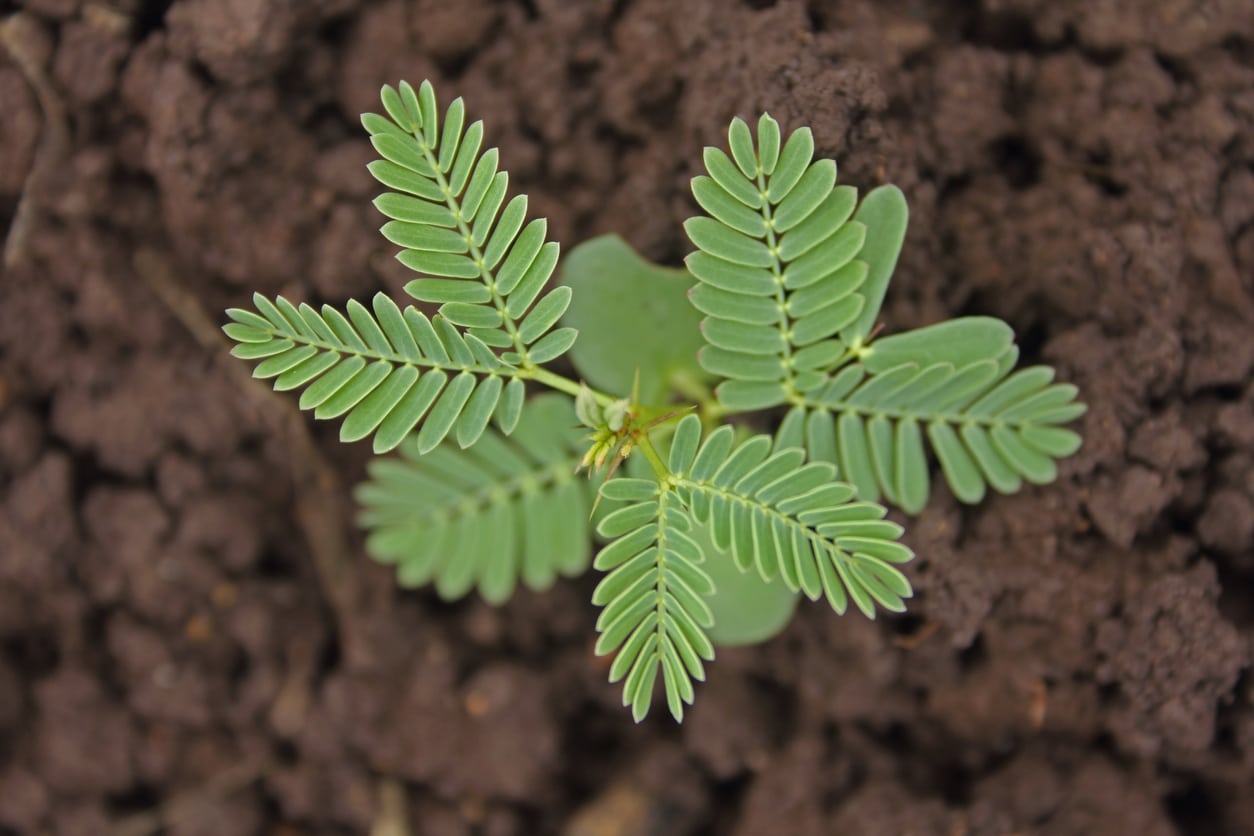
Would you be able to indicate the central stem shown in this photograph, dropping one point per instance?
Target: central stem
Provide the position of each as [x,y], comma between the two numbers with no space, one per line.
[781,297]
[454,205]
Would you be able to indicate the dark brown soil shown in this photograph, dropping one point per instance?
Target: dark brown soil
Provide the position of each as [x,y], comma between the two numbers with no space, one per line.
[180,650]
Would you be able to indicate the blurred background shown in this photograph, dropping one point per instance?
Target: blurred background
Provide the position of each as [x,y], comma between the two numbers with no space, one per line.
[191,639]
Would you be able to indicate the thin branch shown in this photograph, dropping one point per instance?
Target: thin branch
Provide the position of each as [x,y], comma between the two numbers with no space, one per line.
[392,813]
[54,142]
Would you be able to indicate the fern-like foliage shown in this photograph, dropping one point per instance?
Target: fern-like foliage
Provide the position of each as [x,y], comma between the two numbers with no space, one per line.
[987,424]
[449,214]
[791,272]
[791,277]
[503,511]
[383,372]
[653,615]
[776,265]
[770,509]
[765,507]
[387,371]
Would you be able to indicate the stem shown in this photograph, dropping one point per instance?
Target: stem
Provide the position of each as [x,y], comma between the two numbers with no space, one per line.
[454,204]
[655,461]
[781,297]
[564,384]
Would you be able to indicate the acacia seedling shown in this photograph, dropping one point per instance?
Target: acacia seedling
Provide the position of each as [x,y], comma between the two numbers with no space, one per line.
[709,532]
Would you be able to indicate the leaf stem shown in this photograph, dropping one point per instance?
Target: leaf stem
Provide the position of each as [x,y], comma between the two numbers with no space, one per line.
[453,202]
[655,461]
[781,297]
[564,384]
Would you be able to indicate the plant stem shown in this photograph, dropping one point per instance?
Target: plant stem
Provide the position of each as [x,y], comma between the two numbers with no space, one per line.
[565,384]
[570,387]
[781,298]
[454,205]
[655,461]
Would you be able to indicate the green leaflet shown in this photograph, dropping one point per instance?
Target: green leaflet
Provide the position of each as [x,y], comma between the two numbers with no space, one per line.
[723,172]
[768,143]
[618,299]
[826,321]
[834,253]
[884,214]
[767,510]
[412,210]
[652,613]
[722,206]
[737,307]
[831,215]
[830,289]
[553,345]
[774,263]
[515,513]
[739,365]
[450,216]
[960,341]
[749,395]
[384,372]
[740,140]
[989,426]
[793,160]
[813,188]
[544,315]
[721,241]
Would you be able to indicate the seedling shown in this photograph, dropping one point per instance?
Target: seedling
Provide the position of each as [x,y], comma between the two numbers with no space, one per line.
[711,532]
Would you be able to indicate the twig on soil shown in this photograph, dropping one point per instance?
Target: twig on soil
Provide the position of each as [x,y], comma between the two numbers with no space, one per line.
[54,142]
[913,640]
[291,705]
[185,806]
[393,817]
[1038,700]
[318,505]
[624,809]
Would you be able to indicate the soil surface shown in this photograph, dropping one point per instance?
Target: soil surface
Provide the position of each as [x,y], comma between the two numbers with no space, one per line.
[191,641]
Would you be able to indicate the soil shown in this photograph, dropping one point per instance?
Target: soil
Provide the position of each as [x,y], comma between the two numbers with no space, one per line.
[182,648]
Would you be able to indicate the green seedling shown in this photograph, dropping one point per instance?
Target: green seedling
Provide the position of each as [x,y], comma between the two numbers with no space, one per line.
[710,531]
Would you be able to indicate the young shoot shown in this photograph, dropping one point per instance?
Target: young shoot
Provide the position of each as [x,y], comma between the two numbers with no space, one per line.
[706,533]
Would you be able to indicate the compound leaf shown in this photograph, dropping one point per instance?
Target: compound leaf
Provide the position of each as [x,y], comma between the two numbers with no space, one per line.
[779,265]
[648,592]
[988,425]
[382,371]
[450,216]
[499,512]
[790,520]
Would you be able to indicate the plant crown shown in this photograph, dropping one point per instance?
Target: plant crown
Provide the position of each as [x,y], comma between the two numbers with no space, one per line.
[790,271]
